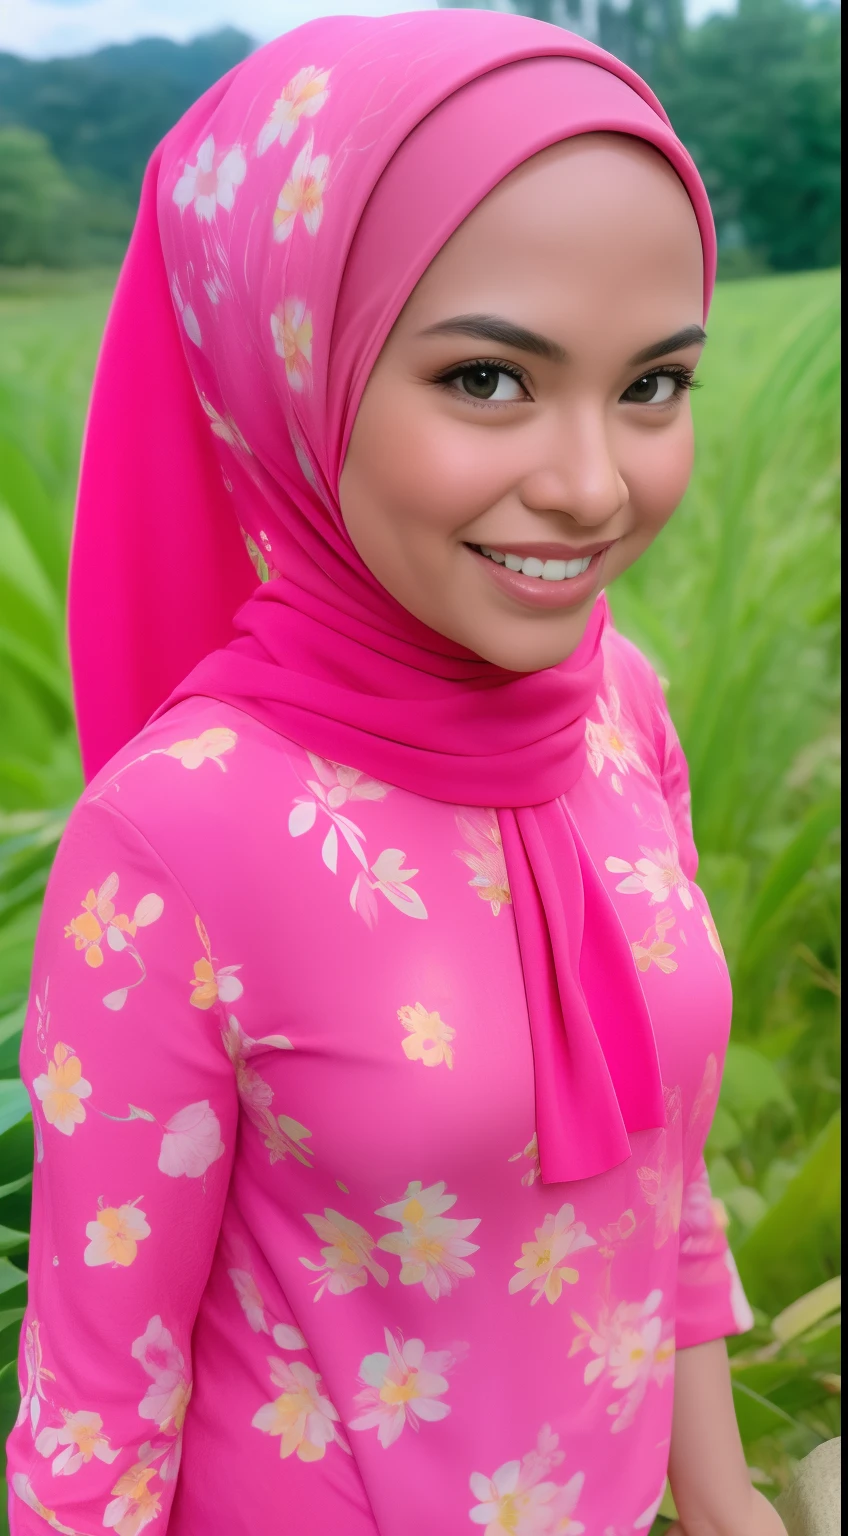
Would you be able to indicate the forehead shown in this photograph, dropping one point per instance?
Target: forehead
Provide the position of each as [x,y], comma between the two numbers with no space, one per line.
[597,222]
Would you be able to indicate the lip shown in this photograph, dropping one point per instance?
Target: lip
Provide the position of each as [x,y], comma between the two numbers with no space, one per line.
[531,591]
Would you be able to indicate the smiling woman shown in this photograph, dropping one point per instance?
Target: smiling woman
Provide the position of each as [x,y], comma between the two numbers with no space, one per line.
[372,1134]
[495,495]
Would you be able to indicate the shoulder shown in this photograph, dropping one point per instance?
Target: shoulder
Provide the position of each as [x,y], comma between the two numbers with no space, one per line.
[635,691]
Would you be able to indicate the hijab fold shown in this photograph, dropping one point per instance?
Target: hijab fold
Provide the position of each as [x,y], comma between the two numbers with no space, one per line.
[283,223]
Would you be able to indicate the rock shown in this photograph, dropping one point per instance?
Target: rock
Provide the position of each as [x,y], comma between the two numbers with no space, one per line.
[812,1505]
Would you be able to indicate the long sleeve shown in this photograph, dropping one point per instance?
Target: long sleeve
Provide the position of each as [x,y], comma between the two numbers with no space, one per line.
[710,1300]
[135,1111]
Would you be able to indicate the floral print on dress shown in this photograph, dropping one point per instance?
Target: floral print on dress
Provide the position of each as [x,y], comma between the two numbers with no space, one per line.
[61,1089]
[99,920]
[22,1487]
[519,1499]
[348,1258]
[657,874]
[530,1153]
[332,788]
[428,1038]
[633,1347]
[291,329]
[546,1264]
[304,95]
[302,194]
[213,983]
[406,1385]
[433,1248]
[80,1437]
[653,948]
[612,740]
[485,857]
[211,182]
[191,324]
[192,1141]
[115,1234]
[302,1415]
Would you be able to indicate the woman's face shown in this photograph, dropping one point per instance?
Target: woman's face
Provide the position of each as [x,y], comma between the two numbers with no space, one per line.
[526,430]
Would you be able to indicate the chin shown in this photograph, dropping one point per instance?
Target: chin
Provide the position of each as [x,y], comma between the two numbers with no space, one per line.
[532,652]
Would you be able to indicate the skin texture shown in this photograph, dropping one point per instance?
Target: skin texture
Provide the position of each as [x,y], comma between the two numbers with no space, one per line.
[594,244]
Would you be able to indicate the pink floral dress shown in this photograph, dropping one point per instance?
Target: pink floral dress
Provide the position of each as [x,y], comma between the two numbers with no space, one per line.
[293,1266]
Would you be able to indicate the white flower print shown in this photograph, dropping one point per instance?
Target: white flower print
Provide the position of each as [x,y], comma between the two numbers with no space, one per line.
[27,1495]
[224,427]
[192,1141]
[656,874]
[304,95]
[291,330]
[250,1299]
[209,186]
[633,1347]
[36,1371]
[612,741]
[433,1248]
[519,1499]
[547,1264]
[167,1397]
[302,1415]
[334,787]
[81,1438]
[348,1256]
[403,1386]
[186,313]
[302,194]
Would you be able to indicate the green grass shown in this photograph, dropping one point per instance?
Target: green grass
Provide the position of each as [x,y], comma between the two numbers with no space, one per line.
[737,605]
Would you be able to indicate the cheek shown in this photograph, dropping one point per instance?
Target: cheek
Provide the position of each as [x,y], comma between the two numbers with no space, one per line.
[658,469]
[418,468]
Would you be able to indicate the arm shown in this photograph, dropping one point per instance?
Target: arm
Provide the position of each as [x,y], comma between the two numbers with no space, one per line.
[707,1471]
[134,1111]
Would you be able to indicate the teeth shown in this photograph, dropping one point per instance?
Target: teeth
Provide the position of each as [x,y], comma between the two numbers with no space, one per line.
[546,570]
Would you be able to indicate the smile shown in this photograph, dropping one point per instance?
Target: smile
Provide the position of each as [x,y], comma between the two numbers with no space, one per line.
[542,570]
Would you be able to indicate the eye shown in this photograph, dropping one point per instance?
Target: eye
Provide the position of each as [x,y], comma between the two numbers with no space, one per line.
[485,382]
[657,388]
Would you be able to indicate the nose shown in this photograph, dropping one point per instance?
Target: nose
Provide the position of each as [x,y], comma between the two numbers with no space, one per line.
[576,471]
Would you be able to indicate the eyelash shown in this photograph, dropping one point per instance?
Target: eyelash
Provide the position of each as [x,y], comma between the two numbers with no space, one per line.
[683,377]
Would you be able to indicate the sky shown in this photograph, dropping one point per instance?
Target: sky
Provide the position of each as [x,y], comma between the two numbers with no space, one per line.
[47,28]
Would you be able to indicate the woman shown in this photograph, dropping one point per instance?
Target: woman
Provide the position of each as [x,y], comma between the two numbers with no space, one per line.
[370,1100]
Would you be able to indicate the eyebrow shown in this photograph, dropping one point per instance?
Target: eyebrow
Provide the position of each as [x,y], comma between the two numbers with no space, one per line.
[508,334]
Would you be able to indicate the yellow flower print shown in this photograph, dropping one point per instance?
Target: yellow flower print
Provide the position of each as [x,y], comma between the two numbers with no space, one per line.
[531,1152]
[302,194]
[544,1264]
[212,984]
[61,1088]
[81,1438]
[428,1037]
[99,920]
[653,948]
[115,1234]
[348,1257]
[291,328]
[304,95]
[302,1415]
[285,1137]
[433,1248]
[209,746]
[481,830]
[612,740]
[136,1504]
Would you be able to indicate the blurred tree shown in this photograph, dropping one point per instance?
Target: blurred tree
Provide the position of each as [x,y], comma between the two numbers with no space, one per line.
[755,96]
[39,206]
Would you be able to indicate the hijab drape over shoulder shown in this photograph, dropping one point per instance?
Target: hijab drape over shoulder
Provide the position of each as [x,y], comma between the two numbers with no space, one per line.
[284,222]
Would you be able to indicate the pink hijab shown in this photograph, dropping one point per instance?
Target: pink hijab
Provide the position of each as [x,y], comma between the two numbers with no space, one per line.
[284,221]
